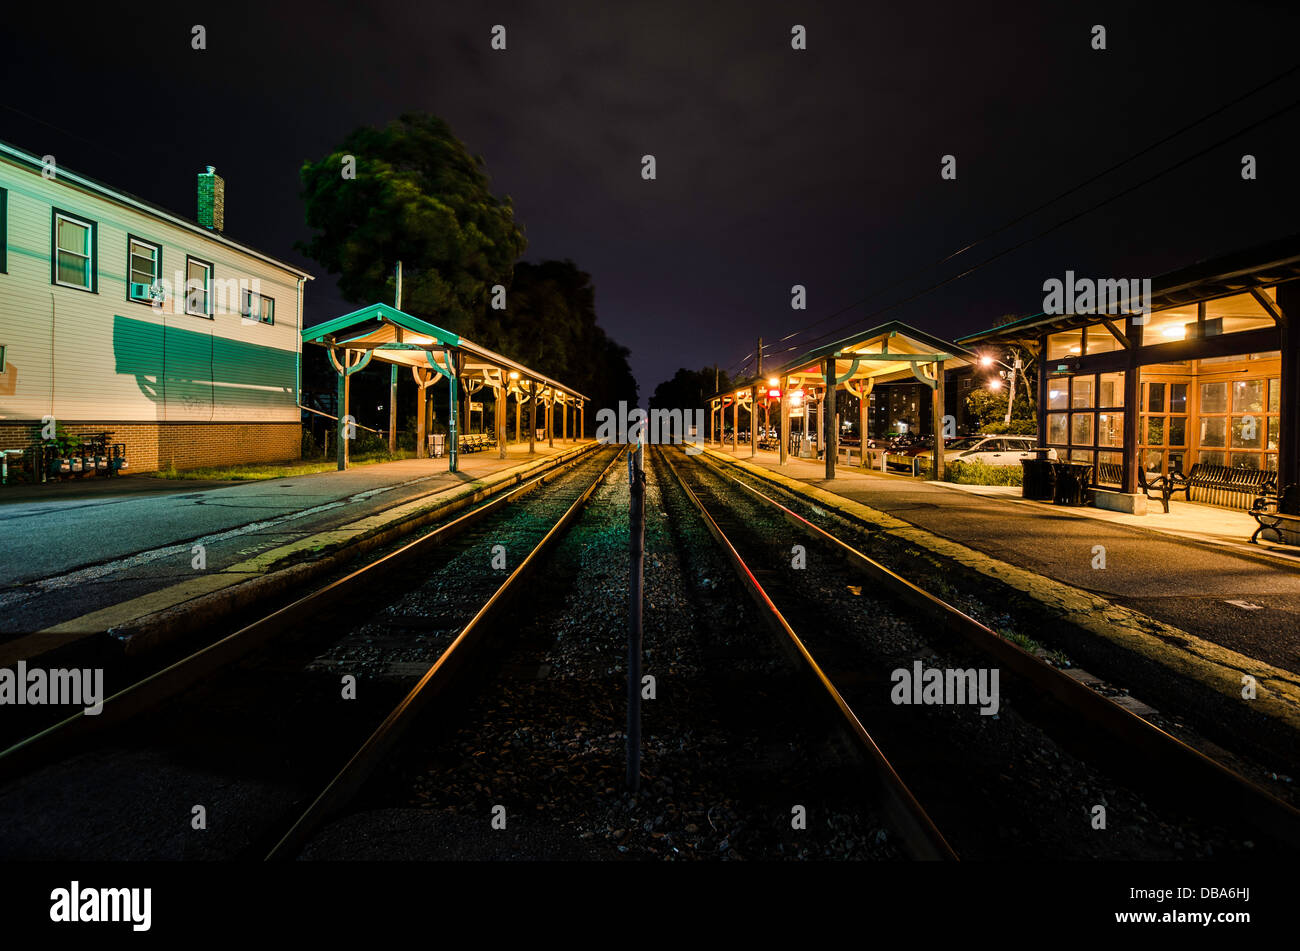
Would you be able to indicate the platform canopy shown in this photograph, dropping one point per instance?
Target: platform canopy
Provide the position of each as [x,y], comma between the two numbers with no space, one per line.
[393,336]
[890,353]
[432,353]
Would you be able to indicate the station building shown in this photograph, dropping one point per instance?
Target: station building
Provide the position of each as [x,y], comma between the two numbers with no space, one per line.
[1211,376]
[117,315]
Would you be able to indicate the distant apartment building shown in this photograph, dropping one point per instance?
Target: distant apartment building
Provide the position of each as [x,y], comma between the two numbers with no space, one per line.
[118,315]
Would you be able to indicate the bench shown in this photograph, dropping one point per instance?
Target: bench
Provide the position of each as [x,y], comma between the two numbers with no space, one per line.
[1277,513]
[475,442]
[1112,473]
[1221,485]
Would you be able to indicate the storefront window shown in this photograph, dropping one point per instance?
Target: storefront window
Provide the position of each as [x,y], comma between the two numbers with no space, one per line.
[1214,431]
[1214,397]
[1069,343]
[1110,429]
[1248,396]
[1110,389]
[1166,326]
[1237,313]
[1081,392]
[1058,394]
[1057,429]
[1101,340]
[1081,429]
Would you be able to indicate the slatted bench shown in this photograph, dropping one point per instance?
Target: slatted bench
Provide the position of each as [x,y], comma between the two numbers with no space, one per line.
[1221,485]
[1112,473]
[1277,513]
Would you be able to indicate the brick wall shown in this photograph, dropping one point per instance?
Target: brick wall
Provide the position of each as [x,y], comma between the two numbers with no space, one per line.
[151,446]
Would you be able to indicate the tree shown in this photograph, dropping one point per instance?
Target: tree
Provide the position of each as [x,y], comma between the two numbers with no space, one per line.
[688,389]
[549,324]
[418,196]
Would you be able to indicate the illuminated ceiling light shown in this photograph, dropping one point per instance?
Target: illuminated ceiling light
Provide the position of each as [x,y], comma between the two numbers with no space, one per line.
[514,374]
[986,361]
[773,381]
[1074,349]
[1175,332]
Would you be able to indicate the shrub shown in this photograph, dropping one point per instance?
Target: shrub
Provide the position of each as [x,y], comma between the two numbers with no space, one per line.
[981,473]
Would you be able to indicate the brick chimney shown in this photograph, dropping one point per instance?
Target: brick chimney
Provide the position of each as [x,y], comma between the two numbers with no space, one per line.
[212,200]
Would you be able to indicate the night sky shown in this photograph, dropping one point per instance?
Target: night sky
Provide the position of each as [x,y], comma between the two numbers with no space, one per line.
[775,167]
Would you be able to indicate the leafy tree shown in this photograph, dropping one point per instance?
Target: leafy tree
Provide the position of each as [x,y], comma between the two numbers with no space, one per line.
[418,197]
[689,389]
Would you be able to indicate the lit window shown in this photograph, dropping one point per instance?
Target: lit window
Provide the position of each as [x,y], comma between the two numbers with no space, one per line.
[198,287]
[74,252]
[144,269]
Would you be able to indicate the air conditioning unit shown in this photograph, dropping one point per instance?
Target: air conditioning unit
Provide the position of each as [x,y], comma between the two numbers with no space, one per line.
[149,292]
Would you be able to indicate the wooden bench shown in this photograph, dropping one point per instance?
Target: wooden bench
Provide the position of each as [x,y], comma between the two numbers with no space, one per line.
[1278,513]
[1112,473]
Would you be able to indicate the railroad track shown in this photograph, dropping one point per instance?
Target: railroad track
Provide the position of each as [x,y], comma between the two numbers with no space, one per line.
[266,737]
[815,613]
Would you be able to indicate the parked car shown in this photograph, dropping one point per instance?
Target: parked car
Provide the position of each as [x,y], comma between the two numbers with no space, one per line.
[990,450]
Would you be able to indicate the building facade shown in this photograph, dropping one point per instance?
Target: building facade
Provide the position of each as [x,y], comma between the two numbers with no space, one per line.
[119,316]
[1211,375]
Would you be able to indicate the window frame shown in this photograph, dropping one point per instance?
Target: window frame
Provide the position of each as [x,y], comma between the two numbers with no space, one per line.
[246,307]
[158,264]
[207,288]
[92,258]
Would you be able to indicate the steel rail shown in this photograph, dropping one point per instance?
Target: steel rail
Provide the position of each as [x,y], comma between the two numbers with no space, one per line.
[358,769]
[148,692]
[917,829]
[1254,804]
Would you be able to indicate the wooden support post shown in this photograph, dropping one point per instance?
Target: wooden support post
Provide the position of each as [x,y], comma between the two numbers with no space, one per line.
[735,420]
[343,415]
[1132,389]
[865,391]
[785,419]
[936,415]
[550,420]
[564,421]
[420,441]
[753,422]
[1288,421]
[518,411]
[831,448]
[453,401]
[582,419]
[502,392]
[532,416]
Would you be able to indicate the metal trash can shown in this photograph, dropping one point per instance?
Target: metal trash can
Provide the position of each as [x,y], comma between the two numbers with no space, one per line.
[437,445]
[1038,481]
[1072,480]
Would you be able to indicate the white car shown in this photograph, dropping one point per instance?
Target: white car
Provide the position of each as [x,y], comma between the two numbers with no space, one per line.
[990,450]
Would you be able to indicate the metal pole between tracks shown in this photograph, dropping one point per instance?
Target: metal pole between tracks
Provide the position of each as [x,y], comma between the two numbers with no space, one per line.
[636,482]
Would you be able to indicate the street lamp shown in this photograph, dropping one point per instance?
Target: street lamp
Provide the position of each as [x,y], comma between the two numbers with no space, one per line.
[995,385]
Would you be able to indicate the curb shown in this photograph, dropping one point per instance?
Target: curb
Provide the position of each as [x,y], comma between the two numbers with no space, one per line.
[243,585]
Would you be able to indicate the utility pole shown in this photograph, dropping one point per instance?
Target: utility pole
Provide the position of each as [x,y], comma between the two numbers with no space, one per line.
[1011,393]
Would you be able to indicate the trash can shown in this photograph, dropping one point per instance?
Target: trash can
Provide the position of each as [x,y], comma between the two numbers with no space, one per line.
[1072,480]
[437,445]
[1038,481]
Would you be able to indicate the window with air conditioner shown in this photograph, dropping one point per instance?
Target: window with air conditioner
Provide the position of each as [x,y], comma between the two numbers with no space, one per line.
[144,270]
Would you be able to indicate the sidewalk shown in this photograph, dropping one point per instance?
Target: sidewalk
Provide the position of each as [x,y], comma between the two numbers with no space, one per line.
[69,559]
[1191,568]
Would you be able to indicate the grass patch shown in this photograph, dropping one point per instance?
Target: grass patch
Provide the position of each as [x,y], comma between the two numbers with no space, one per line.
[255,471]
[981,473]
